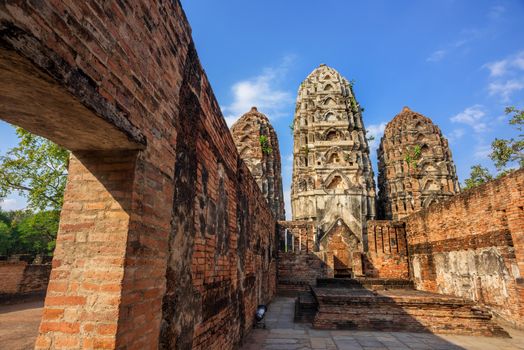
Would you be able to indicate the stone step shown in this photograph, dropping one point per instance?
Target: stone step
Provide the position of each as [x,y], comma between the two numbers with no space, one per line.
[343,273]
[401,310]
[305,308]
[365,283]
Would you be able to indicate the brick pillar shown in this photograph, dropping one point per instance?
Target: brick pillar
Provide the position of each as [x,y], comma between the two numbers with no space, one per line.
[85,289]
[357,264]
[515,214]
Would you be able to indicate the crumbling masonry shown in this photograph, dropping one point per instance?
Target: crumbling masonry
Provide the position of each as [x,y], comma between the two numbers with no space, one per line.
[257,145]
[167,241]
[415,166]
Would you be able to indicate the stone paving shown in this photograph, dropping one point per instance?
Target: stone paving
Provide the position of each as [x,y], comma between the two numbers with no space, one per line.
[282,333]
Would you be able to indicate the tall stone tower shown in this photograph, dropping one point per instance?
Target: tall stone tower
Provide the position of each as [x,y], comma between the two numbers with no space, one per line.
[415,166]
[332,181]
[257,144]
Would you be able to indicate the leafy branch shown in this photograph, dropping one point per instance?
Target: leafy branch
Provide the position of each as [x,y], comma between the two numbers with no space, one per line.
[412,156]
[264,143]
[37,169]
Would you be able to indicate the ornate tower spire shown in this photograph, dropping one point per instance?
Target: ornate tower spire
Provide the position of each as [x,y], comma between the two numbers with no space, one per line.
[332,174]
[257,144]
[415,166]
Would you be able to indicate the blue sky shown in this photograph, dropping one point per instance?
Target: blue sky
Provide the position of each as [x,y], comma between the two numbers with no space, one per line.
[458,62]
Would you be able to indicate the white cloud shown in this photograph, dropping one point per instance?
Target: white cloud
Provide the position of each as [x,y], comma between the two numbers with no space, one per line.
[436,56]
[460,44]
[506,76]
[12,204]
[472,116]
[261,91]
[482,151]
[505,89]
[498,68]
[375,130]
[508,66]
[455,134]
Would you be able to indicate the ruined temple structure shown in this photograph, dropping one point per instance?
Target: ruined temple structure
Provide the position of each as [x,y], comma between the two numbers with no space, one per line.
[166,240]
[257,145]
[415,166]
[332,176]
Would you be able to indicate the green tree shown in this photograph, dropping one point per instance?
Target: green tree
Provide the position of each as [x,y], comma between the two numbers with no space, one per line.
[478,176]
[6,239]
[36,169]
[507,151]
[37,233]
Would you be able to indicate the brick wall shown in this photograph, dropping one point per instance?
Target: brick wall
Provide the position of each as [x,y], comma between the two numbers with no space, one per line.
[298,271]
[299,266]
[387,254]
[21,277]
[300,236]
[165,239]
[473,246]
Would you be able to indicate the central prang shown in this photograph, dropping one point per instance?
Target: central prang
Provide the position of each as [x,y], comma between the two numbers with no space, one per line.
[333,181]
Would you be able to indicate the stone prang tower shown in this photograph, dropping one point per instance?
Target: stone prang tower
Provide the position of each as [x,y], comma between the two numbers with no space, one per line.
[332,181]
[415,166]
[257,144]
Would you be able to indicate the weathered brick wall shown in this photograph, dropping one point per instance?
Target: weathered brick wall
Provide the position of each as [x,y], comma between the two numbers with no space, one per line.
[299,266]
[164,237]
[473,246]
[297,271]
[387,255]
[300,236]
[21,277]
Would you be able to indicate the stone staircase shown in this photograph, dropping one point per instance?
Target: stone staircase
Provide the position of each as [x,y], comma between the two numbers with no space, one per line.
[305,308]
[391,305]
[367,283]
[343,272]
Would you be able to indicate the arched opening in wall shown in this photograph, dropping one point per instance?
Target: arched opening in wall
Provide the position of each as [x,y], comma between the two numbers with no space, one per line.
[330,117]
[329,102]
[328,87]
[425,151]
[336,182]
[332,135]
[96,214]
[32,182]
[245,139]
[334,158]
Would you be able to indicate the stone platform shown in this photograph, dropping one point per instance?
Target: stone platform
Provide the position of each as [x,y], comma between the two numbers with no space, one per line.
[396,307]
[365,282]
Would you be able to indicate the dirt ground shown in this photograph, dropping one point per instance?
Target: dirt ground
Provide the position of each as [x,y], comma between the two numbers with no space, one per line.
[19,324]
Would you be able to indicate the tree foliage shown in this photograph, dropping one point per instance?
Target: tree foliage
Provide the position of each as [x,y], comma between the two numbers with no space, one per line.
[506,151]
[478,176]
[507,154]
[264,143]
[35,169]
[25,232]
